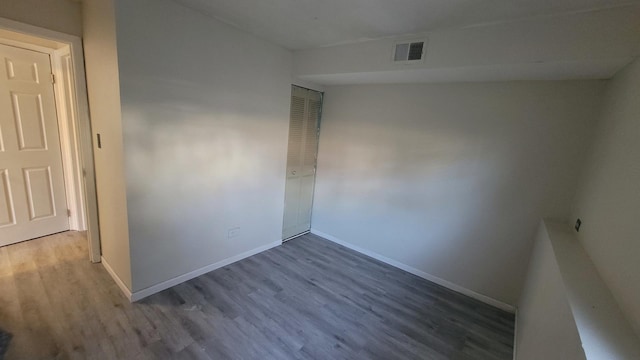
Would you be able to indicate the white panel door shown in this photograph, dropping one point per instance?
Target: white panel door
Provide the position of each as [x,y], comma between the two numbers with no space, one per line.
[32,194]
[301,160]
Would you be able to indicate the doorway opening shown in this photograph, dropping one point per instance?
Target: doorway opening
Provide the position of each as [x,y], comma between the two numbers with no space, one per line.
[302,156]
[47,181]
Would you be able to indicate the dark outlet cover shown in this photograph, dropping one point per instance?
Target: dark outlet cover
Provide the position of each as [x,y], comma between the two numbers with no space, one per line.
[578,223]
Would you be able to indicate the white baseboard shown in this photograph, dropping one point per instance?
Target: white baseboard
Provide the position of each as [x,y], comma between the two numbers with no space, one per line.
[515,336]
[141,294]
[449,285]
[116,278]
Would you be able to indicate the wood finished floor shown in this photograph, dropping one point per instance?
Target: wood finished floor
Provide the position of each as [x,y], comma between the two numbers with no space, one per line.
[307,299]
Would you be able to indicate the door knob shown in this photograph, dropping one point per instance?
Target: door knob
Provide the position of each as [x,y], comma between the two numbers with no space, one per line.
[293,172]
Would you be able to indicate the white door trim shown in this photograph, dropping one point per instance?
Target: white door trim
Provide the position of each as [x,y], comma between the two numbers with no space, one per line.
[75,134]
[65,97]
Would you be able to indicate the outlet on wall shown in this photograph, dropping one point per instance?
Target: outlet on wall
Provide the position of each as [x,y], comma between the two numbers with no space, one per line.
[233,233]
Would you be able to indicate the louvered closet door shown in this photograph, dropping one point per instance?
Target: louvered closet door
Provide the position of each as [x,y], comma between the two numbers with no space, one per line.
[32,194]
[301,160]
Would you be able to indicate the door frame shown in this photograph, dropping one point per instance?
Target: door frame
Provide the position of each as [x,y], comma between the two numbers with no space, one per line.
[67,64]
[317,150]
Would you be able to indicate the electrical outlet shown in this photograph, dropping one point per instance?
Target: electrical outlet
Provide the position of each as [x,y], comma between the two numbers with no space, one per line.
[578,223]
[233,233]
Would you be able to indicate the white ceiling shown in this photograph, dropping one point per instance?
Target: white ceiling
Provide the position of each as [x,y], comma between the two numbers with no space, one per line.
[304,24]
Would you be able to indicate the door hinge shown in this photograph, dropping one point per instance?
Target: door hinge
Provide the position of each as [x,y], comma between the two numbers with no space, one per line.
[68,212]
[53,78]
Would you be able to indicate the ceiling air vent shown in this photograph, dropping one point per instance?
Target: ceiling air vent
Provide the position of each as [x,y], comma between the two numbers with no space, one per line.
[409,52]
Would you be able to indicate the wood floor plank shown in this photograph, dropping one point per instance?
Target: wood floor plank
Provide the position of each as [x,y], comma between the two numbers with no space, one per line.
[307,299]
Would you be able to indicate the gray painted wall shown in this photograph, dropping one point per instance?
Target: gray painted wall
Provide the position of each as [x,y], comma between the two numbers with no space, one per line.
[104,102]
[205,111]
[452,179]
[58,15]
[609,198]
